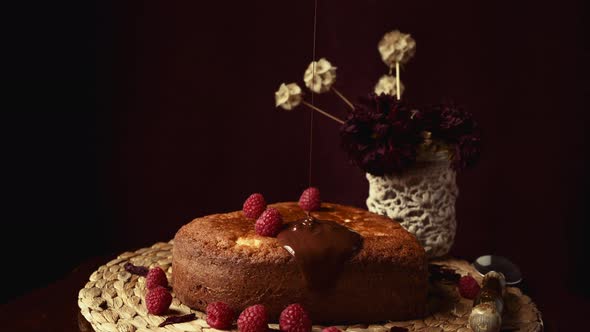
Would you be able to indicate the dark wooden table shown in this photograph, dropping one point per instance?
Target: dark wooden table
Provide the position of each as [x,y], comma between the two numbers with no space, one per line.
[52,308]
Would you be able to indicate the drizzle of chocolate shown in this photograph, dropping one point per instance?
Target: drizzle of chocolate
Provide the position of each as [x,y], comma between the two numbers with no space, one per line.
[320,248]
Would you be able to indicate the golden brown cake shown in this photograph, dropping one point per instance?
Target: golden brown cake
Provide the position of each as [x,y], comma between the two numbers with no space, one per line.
[221,258]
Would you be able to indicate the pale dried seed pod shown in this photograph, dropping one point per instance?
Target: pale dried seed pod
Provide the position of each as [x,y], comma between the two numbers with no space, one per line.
[388,85]
[396,47]
[320,76]
[288,96]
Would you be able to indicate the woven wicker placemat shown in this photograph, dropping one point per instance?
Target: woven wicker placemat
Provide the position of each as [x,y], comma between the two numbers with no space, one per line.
[112,301]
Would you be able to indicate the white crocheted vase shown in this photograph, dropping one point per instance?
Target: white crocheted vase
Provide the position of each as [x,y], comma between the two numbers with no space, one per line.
[423,200]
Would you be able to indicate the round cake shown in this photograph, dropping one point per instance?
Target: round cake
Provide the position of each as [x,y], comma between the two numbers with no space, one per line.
[345,265]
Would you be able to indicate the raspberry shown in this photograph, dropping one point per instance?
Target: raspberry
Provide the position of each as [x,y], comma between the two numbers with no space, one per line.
[156,277]
[468,287]
[253,319]
[294,318]
[157,300]
[220,315]
[310,199]
[331,329]
[254,206]
[269,223]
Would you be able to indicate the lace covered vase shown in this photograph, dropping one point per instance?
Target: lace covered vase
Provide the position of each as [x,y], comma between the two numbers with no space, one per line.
[423,200]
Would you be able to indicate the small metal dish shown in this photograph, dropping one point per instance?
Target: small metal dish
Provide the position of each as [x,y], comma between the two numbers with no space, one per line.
[487,263]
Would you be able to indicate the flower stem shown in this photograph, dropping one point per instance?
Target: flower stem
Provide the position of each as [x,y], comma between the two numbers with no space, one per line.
[343,98]
[322,112]
[397,83]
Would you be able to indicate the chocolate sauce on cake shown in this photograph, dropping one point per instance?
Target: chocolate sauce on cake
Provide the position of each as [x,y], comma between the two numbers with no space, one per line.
[320,248]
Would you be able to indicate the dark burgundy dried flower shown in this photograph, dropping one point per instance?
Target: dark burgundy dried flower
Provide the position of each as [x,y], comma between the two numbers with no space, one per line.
[380,135]
[457,128]
[447,122]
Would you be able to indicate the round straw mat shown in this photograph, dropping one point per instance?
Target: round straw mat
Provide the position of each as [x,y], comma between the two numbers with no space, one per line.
[112,301]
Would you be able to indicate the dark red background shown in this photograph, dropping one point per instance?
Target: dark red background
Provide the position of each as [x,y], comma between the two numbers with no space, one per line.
[130,119]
